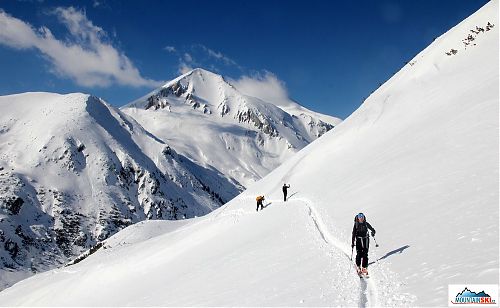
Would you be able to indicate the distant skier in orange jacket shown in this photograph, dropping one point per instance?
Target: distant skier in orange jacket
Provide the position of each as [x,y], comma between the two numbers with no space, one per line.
[260,199]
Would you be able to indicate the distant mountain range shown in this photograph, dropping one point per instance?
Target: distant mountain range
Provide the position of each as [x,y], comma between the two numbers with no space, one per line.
[75,170]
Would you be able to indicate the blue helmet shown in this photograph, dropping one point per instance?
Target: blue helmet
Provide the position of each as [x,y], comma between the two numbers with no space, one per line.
[360,216]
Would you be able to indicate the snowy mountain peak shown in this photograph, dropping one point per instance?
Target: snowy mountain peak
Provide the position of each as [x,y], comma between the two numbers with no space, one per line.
[246,137]
[188,88]
[203,73]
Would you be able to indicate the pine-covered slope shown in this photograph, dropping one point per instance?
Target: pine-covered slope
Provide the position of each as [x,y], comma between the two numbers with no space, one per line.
[210,121]
[74,171]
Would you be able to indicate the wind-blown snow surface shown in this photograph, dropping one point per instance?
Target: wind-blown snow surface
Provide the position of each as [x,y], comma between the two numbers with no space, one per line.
[208,120]
[74,171]
[419,158]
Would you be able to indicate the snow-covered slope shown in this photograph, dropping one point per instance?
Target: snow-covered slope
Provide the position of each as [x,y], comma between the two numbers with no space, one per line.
[74,171]
[419,158]
[211,122]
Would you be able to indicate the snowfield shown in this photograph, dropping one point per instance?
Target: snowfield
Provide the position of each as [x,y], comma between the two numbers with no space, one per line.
[420,158]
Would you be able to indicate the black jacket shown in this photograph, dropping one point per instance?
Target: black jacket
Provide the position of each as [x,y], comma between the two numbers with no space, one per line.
[285,187]
[360,229]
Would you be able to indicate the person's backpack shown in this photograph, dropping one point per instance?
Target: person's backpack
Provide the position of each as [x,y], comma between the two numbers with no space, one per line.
[361,228]
[259,198]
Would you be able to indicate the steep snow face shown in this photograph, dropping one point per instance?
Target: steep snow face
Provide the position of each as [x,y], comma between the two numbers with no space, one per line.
[419,158]
[210,121]
[74,171]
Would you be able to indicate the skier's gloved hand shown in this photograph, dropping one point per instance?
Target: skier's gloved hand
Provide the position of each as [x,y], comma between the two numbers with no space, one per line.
[373,233]
[352,245]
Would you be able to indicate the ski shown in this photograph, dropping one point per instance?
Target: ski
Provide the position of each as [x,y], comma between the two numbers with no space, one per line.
[361,274]
[364,276]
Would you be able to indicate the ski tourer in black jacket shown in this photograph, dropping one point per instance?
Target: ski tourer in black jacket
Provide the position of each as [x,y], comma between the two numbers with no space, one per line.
[362,240]
[360,229]
[285,191]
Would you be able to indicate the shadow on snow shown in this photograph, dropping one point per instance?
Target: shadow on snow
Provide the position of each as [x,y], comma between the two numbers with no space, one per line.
[390,253]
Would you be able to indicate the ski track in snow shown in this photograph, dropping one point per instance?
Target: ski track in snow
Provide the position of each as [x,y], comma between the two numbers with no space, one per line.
[368,290]
[367,287]
[382,284]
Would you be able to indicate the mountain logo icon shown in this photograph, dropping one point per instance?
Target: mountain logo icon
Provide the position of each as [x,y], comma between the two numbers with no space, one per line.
[470,297]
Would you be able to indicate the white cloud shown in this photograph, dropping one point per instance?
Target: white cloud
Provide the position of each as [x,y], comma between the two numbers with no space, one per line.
[170,49]
[184,68]
[219,56]
[186,63]
[79,26]
[188,58]
[87,58]
[101,4]
[198,55]
[265,86]
[15,33]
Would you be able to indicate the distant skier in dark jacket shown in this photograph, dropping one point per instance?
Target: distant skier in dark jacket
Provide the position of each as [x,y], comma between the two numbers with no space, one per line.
[259,200]
[285,191]
[362,240]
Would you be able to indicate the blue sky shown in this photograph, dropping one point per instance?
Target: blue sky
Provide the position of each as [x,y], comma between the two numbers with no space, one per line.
[327,55]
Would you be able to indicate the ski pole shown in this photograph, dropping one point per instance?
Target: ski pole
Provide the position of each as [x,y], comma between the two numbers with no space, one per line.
[352,251]
[376,244]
